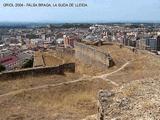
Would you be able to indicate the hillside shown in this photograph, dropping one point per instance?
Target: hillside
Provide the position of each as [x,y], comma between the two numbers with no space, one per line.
[138,100]
[74,96]
[141,65]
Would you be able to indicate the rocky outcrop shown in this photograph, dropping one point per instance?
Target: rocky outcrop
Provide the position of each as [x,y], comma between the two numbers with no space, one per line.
[138,100]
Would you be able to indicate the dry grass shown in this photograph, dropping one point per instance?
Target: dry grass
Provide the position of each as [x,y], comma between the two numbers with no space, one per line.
[38,59]
[51,60]
[69,101]
[28,82]
[46,59]
[119,55]
[131,90]
[87,69]
[76,100]
[147,104]
[142,65]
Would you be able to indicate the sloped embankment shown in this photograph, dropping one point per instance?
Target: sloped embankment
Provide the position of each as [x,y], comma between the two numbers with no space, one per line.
[138,100]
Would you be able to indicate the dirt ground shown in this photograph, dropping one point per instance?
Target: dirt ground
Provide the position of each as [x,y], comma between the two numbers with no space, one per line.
[46,59]
[141,65]
[51,60]
[65,102]
[38,59]
[72,96]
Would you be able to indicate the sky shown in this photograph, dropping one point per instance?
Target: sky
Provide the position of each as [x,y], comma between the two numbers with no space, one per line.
[97,11]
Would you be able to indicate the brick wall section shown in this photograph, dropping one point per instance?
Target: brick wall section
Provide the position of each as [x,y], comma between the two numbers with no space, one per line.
[91,55]
[69,67]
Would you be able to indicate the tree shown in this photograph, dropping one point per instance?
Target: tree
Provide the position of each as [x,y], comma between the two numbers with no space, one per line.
[28,64]
[2,68]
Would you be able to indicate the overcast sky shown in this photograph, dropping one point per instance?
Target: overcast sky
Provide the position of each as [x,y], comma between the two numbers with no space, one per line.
[97,11]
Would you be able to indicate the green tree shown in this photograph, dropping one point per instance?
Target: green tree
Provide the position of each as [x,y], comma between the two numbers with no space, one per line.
[2,68]
[28,64]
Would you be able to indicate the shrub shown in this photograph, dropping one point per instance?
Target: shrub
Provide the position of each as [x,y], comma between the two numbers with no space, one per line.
[2,68]
[28,64]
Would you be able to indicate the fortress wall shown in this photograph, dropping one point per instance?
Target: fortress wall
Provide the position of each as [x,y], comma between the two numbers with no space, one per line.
[69,67]
[92,56]
[65,51]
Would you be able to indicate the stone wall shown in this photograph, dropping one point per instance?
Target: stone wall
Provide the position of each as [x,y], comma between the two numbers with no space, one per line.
[69,67]
[90,55]
[104,102]
[65,51]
